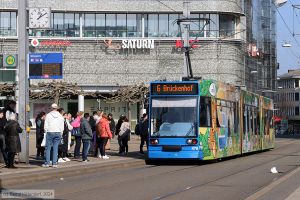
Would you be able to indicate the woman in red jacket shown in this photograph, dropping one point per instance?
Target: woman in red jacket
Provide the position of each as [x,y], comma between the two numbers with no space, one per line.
[103,131]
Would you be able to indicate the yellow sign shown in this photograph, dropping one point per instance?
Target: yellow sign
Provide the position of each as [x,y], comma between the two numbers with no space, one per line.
[10,60]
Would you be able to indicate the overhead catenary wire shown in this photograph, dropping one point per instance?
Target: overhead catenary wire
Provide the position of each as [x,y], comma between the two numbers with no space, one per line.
[286,25]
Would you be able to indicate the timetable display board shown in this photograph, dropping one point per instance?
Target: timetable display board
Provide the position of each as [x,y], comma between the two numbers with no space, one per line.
[183,88]
[46,66]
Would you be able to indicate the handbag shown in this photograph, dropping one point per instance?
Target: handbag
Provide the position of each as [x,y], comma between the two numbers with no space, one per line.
[43,144]
[126,135]
[76,132]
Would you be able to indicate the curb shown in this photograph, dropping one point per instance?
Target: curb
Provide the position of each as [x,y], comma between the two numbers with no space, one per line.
[51,173]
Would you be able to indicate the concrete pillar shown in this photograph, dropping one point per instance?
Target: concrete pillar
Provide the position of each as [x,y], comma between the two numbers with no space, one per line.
[80,103]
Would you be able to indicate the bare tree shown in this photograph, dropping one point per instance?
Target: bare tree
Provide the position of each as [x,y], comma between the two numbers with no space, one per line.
[130,95]
[7,89]
[55,90]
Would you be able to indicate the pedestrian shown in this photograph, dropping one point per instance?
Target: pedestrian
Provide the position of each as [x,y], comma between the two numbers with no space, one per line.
[104,133]
[68,120]
[63,147]
[87,136]
[143,129]
[76,133]
[10,109]
[112,124]
[54,127]
[40,122]
[2,137]
[118,126]
[124,136]
[12,139]
[112,127]
[95,145]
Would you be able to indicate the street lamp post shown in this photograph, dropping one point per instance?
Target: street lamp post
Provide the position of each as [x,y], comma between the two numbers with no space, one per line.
[22,84]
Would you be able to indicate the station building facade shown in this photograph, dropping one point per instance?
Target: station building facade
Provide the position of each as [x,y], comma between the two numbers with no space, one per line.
[108,44]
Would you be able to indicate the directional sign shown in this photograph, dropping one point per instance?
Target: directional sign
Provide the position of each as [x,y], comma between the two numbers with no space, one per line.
[45,66]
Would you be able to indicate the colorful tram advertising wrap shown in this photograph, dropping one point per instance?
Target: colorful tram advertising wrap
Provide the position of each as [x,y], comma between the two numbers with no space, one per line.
[207,120]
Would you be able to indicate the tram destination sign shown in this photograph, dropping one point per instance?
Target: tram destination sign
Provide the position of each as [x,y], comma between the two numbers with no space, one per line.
[174,89]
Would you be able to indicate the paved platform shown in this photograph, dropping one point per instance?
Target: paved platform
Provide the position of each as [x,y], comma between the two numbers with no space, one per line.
[34,172]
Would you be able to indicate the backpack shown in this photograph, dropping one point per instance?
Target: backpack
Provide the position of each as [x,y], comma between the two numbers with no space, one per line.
[137,129]
[98,130]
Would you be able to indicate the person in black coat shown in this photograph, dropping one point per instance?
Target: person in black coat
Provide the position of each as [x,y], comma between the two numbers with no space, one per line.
[40,121]
[112,124]
[9,109]
[2,136]
[12,140]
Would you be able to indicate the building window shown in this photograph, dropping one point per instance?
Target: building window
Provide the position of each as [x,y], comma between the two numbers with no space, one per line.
[132,26]
[297,96]
[297,110]
[227,26]
[174,30]
[100,25]
[7,76]
[152,25]
[163,25]
[72,25]
[8,24]
[296,83]
[89,25]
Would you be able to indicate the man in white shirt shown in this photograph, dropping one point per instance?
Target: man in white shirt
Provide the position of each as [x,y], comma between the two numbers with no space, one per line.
[54,127]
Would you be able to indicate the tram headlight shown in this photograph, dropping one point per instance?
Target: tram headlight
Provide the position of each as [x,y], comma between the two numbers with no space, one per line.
[192,141]
[154,141]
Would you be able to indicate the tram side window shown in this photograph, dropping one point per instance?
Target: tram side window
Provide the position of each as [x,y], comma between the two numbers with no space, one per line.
[255,130]
[236,118]
[268,121]
[245,120]
[258,122]
[205,112]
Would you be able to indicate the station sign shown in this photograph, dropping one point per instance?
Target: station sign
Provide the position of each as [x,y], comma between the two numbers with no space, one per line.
[46,66]
[174,89]
[10,60]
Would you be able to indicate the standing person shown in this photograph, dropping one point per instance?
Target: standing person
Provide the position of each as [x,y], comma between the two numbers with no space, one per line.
[112,124]
[9,109]
[87,136]
[68,120]
[2,137]
[143,126]
[118,126]
[63,147]
[76,133]
[104,132]
[54,127]
[40,122]
[96,118]
[12,139]
[124,135]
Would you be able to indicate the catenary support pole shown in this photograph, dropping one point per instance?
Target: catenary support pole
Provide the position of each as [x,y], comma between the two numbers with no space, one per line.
[23,96]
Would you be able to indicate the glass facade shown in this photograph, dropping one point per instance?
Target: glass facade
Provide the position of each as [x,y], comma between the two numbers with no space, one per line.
[62,25]
[8,23]
[131,25]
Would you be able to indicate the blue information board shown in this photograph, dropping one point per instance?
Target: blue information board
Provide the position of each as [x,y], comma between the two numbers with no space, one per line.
[45,66]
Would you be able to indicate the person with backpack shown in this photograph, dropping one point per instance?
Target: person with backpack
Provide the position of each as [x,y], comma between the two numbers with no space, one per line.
[143,130]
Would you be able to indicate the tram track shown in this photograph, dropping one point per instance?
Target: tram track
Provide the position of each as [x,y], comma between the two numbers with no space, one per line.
[197,186]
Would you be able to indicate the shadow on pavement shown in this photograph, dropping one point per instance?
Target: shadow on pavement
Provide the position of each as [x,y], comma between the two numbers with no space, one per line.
[291,136]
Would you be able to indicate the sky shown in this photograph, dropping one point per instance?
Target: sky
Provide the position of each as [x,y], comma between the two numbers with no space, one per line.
[288,57]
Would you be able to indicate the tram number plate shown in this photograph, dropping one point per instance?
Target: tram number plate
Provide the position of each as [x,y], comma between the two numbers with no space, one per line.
[173,148]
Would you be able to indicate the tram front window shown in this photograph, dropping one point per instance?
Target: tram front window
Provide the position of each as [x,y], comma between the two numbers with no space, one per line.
[174,117]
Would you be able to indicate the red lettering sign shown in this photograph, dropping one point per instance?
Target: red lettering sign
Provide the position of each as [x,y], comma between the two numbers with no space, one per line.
[179,44]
